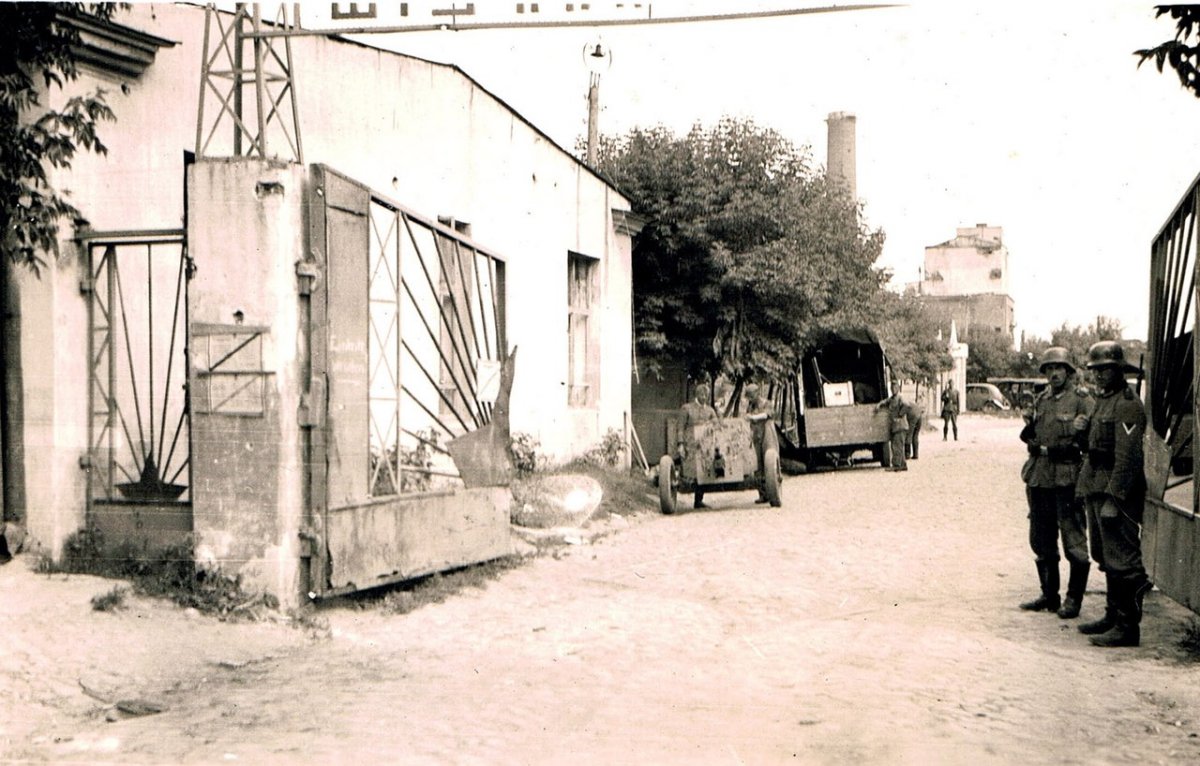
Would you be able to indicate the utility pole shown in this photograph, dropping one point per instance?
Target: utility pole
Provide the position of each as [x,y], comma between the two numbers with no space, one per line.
[597,58]
[593,134]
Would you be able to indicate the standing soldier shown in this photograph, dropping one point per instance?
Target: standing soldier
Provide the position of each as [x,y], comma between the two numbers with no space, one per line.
[916,420]
[759,411]
[949,410]
[1054,434]
[897,410]
[694,412]
[1113,486]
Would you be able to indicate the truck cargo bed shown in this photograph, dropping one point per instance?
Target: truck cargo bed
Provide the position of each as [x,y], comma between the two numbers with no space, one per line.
[842,426]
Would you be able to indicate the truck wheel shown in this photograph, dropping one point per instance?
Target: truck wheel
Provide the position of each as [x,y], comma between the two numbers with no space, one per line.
[772,481]
[667,490]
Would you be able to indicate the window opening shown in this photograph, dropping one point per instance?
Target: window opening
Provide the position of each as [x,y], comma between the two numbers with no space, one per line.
[582,345]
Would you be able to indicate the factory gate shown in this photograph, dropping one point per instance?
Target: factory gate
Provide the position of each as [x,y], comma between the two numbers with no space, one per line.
[138,460]
[1170,534]
[405,338]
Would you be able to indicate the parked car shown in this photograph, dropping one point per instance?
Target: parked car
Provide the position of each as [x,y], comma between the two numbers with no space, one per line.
[986,397]
[1020,392]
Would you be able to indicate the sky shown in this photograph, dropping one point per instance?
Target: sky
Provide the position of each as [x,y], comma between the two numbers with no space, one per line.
[1031,116]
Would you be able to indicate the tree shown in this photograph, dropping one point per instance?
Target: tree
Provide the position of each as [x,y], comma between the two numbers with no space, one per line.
[1179,53]
[36,47]
[1077,339]
[990,354]
[910,335]
[748,254]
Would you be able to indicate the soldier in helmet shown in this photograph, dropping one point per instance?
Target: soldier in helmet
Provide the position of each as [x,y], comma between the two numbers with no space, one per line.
[1054,433]
[697,411]
[1113,487]
[759,409]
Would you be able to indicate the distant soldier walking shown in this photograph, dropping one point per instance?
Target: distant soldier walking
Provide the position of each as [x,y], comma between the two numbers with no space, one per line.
[949,410]
[1054,433]
[1113,486]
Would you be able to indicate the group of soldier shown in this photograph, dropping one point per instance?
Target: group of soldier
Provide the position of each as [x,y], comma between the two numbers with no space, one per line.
[1085,485]
[906,421]
[1084,481]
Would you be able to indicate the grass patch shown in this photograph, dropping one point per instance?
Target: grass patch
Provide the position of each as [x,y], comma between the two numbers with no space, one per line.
[411,595]
[169,573]
[110,601]
[1190,641]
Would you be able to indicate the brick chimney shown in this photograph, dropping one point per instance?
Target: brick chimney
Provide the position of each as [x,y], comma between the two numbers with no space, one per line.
[841,163]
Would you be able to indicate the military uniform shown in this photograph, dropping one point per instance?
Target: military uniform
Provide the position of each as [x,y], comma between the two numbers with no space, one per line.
[1049,474]
[898,419]
[916,418]
[759,411]
[1113,487]
[949,412]
[694,412]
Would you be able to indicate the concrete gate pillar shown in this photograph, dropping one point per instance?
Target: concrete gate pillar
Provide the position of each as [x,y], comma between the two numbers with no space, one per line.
[245,236]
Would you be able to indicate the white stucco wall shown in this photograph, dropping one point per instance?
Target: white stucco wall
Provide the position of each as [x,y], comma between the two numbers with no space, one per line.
[424,135]
[55,374]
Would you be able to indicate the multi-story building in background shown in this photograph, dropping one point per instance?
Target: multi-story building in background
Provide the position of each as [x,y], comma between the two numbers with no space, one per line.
[965,281]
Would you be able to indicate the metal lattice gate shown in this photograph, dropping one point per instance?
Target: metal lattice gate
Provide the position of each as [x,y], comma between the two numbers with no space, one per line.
[407,335]
[138,434]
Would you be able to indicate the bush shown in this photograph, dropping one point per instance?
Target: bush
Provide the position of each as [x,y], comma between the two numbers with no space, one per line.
[169,573]
[111,601]
[610,452]
[526,458]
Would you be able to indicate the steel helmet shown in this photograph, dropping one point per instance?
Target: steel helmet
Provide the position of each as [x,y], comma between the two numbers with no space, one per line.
[1056,355]
[1108,353]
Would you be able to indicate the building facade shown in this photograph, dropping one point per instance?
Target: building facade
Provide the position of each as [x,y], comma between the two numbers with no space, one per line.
[966,280]
[270,356]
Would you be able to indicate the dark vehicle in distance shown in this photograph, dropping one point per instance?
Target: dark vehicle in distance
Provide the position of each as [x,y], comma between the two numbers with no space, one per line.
[986,397]
[1020,392]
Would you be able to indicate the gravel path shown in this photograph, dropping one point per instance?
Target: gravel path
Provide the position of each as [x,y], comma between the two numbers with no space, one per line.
[871,619]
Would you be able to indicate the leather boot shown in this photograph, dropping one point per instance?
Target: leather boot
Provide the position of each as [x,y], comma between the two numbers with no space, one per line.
[1125,631]
[1105,623]
[1076,585]
[1048,600]
[1140,588]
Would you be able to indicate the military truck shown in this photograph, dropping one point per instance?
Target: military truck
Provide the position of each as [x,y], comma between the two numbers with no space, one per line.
[829,409]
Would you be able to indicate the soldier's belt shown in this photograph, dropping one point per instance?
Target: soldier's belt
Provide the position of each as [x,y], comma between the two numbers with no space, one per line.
[1101,458]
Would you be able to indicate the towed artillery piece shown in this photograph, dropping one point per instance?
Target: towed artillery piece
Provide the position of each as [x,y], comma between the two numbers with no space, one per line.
[719,456]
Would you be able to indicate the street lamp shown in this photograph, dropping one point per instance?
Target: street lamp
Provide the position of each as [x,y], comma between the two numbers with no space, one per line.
[597,57]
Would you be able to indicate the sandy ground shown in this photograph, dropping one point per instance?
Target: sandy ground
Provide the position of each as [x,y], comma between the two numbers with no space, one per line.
[872,619]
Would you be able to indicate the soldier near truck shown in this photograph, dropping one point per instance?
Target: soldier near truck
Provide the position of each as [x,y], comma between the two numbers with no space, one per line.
[897,410]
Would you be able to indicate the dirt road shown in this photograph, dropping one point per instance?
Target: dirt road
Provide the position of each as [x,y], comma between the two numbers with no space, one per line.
[872,619]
